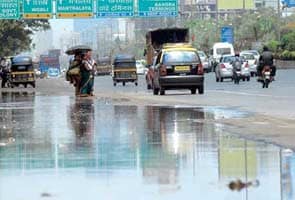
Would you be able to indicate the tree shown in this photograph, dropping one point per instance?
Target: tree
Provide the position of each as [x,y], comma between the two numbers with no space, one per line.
[15,35]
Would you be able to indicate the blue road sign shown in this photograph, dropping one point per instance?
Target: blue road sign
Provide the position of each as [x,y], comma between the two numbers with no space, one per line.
[227,34]
[289,3]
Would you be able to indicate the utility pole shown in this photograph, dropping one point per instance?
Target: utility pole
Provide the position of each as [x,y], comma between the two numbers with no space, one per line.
[279,20]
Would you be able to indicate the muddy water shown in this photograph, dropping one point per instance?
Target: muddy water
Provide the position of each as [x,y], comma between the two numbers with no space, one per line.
[62,148]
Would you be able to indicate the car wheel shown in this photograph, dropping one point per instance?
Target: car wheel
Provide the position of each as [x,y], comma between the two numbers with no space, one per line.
[221,79]
[33,84]
[149,86]
[136,83]
[25,85]
[201,89]
[193,91]
[252,74]
[248,78]
[115,84]
[156,91]
[124,83]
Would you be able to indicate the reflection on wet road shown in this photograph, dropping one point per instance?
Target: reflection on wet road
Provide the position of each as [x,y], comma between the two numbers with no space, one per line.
[62,148]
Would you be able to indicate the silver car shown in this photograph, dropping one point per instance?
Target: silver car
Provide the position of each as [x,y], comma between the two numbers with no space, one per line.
[205,61]
[252,62]
[224,69]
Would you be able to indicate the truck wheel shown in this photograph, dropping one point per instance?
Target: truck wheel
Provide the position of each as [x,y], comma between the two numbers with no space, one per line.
[201,89]
[193,91]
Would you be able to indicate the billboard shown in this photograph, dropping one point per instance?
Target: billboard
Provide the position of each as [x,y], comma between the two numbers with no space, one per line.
[235,4]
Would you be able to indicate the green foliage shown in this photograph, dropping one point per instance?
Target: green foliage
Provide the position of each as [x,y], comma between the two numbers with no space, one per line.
[15,35]
[273,45]
[288,55]
[288,41]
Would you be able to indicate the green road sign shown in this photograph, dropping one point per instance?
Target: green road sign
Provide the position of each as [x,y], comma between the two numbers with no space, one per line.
[9,9]
[157,8]
[115,8]
[34,9]
[74,8]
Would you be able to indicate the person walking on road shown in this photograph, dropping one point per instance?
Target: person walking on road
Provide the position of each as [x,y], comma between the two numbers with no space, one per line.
[87,75]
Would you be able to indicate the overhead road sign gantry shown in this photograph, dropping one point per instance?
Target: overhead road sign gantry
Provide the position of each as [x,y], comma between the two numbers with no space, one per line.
[9,9]
[37,9]
[74,8]
[115,8]
[157,8]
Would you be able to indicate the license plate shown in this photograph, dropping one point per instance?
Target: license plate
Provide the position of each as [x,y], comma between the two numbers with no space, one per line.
[182,68]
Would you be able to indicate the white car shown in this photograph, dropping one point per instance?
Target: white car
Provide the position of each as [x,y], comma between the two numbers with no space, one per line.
[140,67]
[205,61]
[252,62]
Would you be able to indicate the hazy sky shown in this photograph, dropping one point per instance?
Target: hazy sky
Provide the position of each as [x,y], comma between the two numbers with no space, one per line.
[60,27]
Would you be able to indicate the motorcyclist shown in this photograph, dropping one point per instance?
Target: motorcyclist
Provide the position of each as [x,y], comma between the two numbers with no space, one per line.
[4,72]
[237,64]
[266,58]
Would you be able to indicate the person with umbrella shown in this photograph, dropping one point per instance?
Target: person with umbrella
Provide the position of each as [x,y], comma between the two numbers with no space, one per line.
[78,73]
[88,68]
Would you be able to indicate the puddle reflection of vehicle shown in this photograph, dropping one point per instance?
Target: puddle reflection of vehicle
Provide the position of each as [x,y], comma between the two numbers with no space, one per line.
[170,137]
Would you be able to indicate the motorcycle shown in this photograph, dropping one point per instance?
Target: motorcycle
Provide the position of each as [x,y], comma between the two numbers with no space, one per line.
[266,76]
[237,76]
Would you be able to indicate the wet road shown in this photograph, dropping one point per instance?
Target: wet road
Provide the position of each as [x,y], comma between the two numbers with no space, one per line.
[276,100]
[57,147]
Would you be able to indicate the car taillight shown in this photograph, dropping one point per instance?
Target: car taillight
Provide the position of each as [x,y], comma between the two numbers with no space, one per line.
[163,70]
[200,69]
[222,66]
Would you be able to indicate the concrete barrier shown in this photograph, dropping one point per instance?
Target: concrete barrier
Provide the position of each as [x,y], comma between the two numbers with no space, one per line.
[285,64]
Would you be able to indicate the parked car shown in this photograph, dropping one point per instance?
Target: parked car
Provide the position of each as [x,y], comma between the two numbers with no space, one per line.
[252,62]
[178,66]
[205,61]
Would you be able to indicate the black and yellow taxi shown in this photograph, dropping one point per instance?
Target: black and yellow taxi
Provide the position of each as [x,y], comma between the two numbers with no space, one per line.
[124,69]
[22,72]
[178,66]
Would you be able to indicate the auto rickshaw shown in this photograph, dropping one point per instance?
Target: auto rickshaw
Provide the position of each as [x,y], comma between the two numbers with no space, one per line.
[124,70]
[22,72]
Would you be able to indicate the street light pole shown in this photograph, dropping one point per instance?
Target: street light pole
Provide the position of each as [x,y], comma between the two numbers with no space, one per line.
[279,19]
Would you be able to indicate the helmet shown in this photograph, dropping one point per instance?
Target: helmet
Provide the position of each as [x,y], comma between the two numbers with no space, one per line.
[265,48]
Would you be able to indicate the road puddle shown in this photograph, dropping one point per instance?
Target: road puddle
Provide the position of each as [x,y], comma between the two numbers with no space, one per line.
[62,148]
